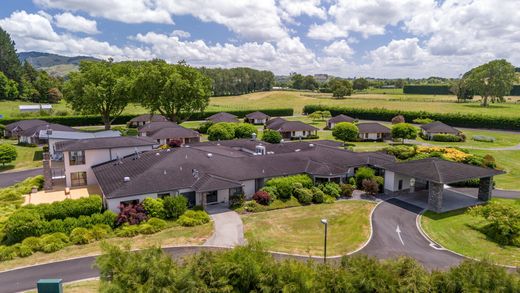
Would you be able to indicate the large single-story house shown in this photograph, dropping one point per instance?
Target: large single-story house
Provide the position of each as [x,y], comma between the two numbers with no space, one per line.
[29,131]
[338,119]
[80,155]
[292,129]
[146,118]
[372,131]
[437,127]
[55,136]
[169,133]
[223,117]
[256,118]
[208,173]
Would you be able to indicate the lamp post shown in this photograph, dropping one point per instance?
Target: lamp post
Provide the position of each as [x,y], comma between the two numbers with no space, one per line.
[325,222]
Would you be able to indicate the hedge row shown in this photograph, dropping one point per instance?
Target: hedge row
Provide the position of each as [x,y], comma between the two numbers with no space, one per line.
[85,120]
[453,119]
[442,90]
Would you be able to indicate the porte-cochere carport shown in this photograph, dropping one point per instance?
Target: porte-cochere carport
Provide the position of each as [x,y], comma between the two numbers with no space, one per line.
[433,174]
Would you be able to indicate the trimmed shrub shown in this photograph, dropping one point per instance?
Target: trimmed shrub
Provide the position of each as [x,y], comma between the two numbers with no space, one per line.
[236,200]
[152,226]
[422,120]
[245,130]
[483,138]
[81,235]
[154,207]
[446,138]
[221,131]
[402,152]
[318,196]
[7,252]
[331,188]
[364,173]
[23,250]
[271,136]
[370,186]
[285,185]
[34,243]
[203,128]
[329,199]
[262,197]
[131,214]
[273,192]
[175,206]
[252,206]
[127,231]
[157,223]
[101,231]
[54,242]
[468,120]
[21,225]
[352,181]
[345,131]
[502,222]
[304,195]
[346,190]
[404,131]
[193,218]
[69,208]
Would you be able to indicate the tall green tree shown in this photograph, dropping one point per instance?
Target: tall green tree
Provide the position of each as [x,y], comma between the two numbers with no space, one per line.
[102,88]
[175,91]
[404,131]
[360,84]
[492,81]
[461,89]
[340,87]
[9,62]
[345,131]
[7,153]
[297,81]
[8,88]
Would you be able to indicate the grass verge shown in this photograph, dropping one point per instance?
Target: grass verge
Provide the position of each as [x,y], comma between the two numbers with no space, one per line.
[299,230]
[458,231]
[87,286]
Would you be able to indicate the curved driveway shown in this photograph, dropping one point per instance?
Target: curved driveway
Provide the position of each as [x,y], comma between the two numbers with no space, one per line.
[10,178]
[395,233]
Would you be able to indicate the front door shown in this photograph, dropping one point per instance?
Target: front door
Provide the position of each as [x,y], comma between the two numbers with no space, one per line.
[190,196]
[400,185]
[211,197]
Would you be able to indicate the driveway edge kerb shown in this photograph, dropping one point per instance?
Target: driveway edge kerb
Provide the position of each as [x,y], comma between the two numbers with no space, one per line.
[429,239]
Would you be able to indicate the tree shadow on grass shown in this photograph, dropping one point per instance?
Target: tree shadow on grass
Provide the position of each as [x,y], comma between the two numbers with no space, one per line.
[6,167]
[491,106]
[38,156]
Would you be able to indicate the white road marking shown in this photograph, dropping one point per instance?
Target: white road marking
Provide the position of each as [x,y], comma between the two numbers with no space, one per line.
[399,234]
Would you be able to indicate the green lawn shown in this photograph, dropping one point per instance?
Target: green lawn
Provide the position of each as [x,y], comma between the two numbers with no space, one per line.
[502,139]
[457,231]
[299,230]
[508,161]
[175,235]
[28,157]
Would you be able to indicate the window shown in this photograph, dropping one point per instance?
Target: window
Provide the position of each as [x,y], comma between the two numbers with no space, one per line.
[77,158]
[78,178]
[211,197]
[236,191]
[163,195]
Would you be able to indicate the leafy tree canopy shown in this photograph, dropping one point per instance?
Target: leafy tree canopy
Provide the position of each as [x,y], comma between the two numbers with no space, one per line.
[7,153]
[492,81]
[345,131]
[404,131]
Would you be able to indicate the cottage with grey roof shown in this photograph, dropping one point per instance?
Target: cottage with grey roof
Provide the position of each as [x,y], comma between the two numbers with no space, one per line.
[372,131]
[256,118]
[338,119]
[292,129]
[222,117]
[431,129]
[169,133]
[146,118]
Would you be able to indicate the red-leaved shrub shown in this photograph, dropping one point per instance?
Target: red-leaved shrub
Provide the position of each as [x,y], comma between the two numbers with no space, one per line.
[262,197]
[132,214]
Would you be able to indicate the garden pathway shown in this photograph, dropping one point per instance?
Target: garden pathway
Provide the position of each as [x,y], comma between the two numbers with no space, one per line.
[229,229]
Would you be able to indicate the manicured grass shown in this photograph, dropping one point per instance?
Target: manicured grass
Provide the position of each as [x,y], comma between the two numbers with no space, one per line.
[88,286]
[458,231]
[175,235]
[502,139]
[28,157]
[508,161]
[299,230]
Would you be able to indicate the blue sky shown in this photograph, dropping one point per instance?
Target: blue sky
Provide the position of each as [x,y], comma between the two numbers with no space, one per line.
[376,38]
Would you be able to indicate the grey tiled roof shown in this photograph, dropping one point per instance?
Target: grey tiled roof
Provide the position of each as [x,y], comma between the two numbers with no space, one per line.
[104,143]
[283,125]
[163,130]
[25,124]
[372,127]
[149,118]
[257,115]
[341,118]
[222,117]
[439,127]
[441,171]
[35,130]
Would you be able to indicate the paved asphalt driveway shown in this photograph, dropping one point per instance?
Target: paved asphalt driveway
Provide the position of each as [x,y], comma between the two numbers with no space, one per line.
[10,178]
[229,230]
[386,243]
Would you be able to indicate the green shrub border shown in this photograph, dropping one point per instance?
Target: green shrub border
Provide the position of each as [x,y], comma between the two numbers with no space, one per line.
[86,120]
[453,119]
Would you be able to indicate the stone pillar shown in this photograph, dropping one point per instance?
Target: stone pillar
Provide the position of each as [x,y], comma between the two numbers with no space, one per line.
[47,173]
[485,188]
[435,197]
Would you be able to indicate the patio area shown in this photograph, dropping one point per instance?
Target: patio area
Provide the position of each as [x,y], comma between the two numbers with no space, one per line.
[452,199]
[58,193]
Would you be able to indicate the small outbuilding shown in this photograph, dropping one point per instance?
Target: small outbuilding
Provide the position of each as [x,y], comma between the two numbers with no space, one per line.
[256,118]
[338,119]
[432,175]
[222,117]
[372,131]
[145,119]
[437,127]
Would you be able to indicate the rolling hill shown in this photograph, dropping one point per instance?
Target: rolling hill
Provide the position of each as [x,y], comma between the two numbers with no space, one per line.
[54,64]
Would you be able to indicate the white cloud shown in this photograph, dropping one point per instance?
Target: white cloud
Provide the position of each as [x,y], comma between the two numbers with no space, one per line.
[339,49]
[180,34]
[406,52]
[327,31]
[127,11]
[76,23]
[295,8]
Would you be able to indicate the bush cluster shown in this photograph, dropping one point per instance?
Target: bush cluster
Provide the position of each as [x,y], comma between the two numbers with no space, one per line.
[422,120]
[193,218]
[271,136]
[262,197]
[68,208]
[236,200]
[454,119]
[283,187]
[245,130]
[252,269]
[221,131]
[446,138]
[15,192]
[502,222]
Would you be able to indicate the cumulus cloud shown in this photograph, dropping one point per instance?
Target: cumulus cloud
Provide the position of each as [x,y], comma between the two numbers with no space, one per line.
[340,49]
[76,23]
[181,34]
[295,8]
[326,31]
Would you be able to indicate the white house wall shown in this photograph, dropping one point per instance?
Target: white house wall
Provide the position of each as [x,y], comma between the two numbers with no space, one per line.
[392,181]
[249,188]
